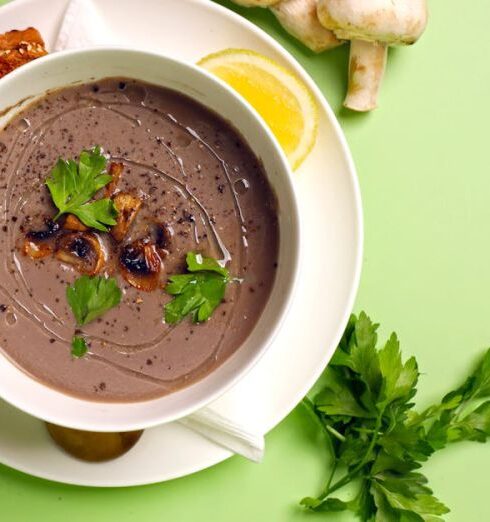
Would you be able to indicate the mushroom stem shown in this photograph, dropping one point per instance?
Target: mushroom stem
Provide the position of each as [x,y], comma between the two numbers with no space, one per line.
[300,19]
[366,69]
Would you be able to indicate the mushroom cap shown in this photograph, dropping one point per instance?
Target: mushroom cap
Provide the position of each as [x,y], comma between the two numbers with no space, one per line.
[256,3]
[388,21]
[300,19]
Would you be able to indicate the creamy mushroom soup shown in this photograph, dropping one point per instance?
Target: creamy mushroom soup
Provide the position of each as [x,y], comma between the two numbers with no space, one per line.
[170,179]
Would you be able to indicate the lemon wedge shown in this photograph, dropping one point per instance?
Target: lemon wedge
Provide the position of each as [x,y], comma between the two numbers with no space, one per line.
[281,98]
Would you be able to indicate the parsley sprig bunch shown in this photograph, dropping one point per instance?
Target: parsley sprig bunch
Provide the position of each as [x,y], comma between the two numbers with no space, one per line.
[365,409]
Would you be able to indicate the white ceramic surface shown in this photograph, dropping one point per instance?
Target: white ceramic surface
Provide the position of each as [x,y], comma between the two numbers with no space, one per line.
[67,67]
[330,209]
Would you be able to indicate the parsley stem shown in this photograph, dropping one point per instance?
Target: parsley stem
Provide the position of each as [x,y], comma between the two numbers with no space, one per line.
[308,404]
[349,476]
[335,433]
[363,430]
[325,427]
[327,430]
[332,474]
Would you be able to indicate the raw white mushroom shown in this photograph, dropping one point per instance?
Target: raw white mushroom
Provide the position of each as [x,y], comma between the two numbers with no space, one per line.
[300,19]
[256,3]
[371,25]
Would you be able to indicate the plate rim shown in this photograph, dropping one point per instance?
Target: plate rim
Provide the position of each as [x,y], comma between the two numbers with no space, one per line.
[279,414]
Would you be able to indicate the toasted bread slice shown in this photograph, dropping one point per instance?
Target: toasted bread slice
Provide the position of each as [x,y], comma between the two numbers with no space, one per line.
[18,48]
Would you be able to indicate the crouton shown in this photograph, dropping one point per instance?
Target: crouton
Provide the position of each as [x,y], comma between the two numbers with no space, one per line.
[19,47]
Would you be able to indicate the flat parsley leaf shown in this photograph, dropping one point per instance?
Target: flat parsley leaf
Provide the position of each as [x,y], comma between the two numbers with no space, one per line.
[337,397]
[73,184]
[78,347]
[407,495]
[481,378]
[91,297]
[366,411]
[474,426]
[398,379]
[197,293]
[198,263]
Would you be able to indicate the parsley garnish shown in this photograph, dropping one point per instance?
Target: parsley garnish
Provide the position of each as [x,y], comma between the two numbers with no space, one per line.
[366,411]
[91,297]
[198,293]
[78,347]
[73,184]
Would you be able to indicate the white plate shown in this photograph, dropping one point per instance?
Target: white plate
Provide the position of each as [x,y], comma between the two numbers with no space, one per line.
[330,206]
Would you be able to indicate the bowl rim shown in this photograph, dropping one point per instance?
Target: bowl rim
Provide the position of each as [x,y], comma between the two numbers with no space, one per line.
[294,252]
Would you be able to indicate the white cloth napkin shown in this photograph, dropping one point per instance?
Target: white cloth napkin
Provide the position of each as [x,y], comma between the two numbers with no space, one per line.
[83,26]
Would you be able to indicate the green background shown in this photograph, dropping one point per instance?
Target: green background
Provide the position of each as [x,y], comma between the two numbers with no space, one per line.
[422,159]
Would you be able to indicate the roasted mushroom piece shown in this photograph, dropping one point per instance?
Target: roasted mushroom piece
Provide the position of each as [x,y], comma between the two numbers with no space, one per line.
[127,207]
[36,249]
[37,243]
[73,223]
[163,238]
[115,170]
[141,265]
[52,228]
[83,251]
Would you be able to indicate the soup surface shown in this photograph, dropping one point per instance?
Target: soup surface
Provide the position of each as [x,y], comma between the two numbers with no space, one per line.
[195,177]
